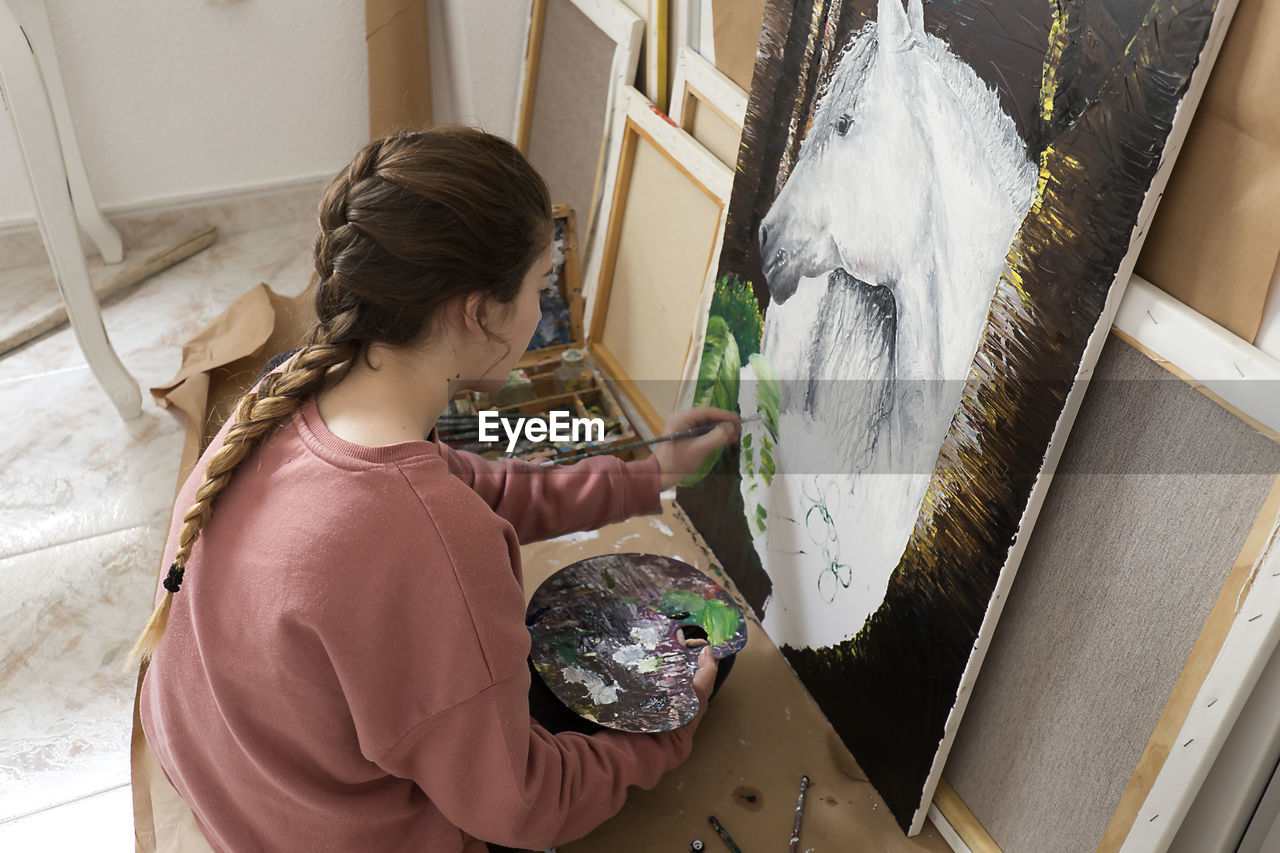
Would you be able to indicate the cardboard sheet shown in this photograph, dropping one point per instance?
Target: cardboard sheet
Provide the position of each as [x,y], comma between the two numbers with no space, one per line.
[736,29]
[1215,239]
[762,733]
[224,358]
[399,70]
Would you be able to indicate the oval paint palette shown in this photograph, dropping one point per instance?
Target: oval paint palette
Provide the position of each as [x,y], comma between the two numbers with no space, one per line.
[605,638]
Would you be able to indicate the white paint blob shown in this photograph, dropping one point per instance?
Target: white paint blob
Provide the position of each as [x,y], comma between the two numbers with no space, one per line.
[648,637]
[637,658]
[601,693]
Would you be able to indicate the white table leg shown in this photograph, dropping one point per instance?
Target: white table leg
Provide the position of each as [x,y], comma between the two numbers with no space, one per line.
[33,17]
[35,129]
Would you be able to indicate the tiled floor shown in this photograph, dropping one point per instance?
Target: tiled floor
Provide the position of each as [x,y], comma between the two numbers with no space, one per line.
[84,498]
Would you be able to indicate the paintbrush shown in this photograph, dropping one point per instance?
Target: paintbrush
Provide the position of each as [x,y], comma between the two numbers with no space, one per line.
[724,834]
[617,448]
[795,828]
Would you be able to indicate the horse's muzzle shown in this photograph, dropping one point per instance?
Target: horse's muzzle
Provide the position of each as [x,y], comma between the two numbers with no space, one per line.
[776,263]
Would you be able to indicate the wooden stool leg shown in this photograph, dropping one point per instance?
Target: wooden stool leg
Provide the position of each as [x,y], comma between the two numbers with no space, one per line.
[33,17]
[36,132]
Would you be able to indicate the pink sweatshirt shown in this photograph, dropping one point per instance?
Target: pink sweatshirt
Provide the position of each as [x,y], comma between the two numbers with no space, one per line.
[344,667]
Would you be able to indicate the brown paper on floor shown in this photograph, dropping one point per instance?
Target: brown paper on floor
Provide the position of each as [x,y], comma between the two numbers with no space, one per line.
[218,365]
[399,67]
[1215,239]
[762,733]
[735,27]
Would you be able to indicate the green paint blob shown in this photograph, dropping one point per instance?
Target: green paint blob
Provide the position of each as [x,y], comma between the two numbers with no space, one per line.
[718,619]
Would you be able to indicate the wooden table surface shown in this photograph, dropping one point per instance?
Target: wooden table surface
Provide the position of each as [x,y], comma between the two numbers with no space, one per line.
[762,733]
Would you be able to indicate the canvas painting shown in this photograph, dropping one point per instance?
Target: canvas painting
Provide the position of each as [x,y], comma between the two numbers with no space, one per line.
[935,209]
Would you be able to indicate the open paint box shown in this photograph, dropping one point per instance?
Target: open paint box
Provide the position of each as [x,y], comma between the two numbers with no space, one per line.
[554,375]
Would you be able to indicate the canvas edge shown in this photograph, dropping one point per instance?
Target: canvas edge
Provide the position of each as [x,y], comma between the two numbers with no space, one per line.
[1173,145]
[1244,653]
[697,76]
[706,30]
[684,21]
[532,42]
[694,73]
[1213,359]
[1218,366]
[947,831]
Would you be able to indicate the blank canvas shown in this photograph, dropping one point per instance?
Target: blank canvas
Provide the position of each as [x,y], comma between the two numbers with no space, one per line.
[666,232]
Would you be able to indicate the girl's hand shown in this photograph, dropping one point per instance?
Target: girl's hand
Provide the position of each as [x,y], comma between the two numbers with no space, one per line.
[704,680]
[680,458]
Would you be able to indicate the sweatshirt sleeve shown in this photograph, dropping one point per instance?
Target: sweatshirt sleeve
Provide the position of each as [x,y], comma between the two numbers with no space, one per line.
[541,503]
[500,777]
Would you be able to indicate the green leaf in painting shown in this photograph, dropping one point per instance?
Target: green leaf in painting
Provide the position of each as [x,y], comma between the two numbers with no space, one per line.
[717,383]
[735,302]
[768,393]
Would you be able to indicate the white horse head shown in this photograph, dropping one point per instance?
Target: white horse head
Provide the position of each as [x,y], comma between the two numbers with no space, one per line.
[912,178]
[882,253]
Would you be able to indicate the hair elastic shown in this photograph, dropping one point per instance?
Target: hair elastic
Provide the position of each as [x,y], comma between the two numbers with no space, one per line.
[174,580]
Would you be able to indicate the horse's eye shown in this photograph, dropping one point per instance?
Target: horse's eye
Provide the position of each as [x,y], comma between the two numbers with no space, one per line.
[843,123]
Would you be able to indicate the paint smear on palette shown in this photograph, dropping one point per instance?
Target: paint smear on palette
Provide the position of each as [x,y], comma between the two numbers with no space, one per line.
[605,642]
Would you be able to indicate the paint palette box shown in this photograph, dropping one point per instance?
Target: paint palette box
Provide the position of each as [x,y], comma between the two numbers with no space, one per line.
[601,422]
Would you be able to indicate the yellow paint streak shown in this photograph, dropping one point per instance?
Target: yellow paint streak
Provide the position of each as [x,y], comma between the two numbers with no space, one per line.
[1052,60]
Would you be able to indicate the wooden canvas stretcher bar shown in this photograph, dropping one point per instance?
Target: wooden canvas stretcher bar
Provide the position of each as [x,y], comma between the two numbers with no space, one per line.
[712,109]
[656,261]
[1236,639]
[1243,628]
[709,106]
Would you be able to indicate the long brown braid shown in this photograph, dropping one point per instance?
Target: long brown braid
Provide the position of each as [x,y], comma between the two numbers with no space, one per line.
[414,221]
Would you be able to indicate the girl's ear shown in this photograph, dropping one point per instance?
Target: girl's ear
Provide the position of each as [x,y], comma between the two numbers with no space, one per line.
[471,312]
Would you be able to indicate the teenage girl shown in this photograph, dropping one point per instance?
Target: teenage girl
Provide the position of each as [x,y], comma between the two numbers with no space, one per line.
[344,663]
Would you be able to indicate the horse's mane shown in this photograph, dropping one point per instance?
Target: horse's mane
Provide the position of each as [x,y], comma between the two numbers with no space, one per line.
[983,103]
[844,81]
[975,96]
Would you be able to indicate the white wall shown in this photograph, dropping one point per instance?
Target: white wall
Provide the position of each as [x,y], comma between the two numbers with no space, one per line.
[186,97]
[477,58]
[189,97]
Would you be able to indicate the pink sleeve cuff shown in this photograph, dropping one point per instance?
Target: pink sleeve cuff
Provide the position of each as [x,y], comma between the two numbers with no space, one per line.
[642,490]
